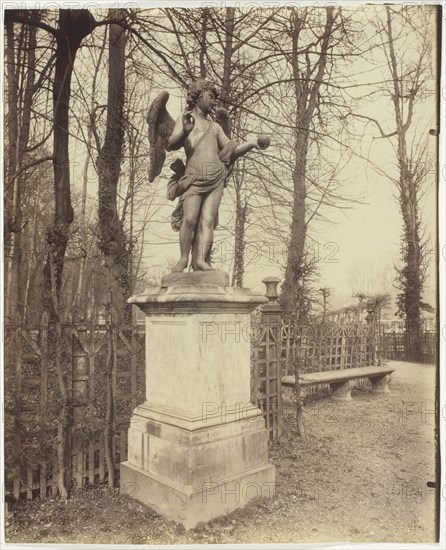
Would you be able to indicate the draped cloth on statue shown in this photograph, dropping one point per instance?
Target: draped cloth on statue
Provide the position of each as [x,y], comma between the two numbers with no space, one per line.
[184,185]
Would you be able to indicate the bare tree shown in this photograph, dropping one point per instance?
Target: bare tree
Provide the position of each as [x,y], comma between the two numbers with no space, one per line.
[325,296]
[21,71]
[307,79]
[71,27]
[409,73]
[112,236]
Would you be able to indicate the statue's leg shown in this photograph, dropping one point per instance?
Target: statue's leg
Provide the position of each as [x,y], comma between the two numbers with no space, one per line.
[209,211]
[191,209]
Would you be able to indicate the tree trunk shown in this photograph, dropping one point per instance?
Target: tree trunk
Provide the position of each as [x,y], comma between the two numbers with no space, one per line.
[79,297]
[113,242]
[239,240]
[11,191]
[33,257]
[74,25]
[63,440]
[306,89]
[227,65]
[110,366]
[293,273]
[410,276]
[19,118]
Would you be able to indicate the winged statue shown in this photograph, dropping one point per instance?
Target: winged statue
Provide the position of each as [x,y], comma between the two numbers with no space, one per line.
[204,130]
[161,126]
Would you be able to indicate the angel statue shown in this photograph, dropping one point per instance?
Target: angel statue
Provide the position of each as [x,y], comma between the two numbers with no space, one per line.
[210,156]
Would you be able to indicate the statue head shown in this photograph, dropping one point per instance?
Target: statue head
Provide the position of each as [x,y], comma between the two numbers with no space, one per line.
[196,89]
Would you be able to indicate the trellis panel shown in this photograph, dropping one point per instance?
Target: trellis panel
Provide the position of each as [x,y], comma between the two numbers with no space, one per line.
[31,387]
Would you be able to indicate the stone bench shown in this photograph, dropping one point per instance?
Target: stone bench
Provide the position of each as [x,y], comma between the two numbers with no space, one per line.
[343,381]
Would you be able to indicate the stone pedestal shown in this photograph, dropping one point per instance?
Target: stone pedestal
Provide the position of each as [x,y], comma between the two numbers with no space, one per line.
[197,446]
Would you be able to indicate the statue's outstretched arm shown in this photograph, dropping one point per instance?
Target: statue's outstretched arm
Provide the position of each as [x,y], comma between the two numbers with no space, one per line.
[242,148]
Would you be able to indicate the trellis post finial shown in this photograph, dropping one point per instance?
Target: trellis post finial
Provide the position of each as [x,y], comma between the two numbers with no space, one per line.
[271,288]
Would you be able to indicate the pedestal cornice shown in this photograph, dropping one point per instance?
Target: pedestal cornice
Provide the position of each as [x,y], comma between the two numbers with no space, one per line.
[197,292]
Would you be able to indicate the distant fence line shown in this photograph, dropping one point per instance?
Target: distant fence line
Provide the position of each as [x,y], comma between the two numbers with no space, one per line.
[32,393]
[400,344]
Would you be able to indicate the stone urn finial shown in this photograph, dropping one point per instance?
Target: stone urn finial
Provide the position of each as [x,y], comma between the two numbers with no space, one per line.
[370,317]
[271,288]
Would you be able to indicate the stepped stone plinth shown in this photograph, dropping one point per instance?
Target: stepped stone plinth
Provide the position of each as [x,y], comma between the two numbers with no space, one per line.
[197,445]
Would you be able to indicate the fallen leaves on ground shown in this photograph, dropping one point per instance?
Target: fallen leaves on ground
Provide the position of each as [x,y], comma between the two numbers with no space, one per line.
[359,474]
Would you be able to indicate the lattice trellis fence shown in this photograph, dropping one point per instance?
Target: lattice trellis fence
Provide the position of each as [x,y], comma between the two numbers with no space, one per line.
[402,345]
[32,404]
[33,399]
[330,346]
[266,366]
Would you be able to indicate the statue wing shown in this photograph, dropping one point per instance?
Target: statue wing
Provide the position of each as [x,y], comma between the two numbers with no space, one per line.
[161,126]
[222,118]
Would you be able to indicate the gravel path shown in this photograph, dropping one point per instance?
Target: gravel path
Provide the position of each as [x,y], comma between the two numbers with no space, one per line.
[360,474]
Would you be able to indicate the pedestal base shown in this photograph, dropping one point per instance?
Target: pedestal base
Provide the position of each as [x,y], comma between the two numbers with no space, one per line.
[193,476]
[190,506]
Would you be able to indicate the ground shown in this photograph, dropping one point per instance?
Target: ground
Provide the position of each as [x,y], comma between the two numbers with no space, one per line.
[360,474]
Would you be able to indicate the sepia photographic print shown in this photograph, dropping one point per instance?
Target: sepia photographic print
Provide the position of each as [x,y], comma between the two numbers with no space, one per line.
[223,275]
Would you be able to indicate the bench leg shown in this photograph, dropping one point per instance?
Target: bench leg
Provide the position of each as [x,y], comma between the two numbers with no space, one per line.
[380,384]
[342,391]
